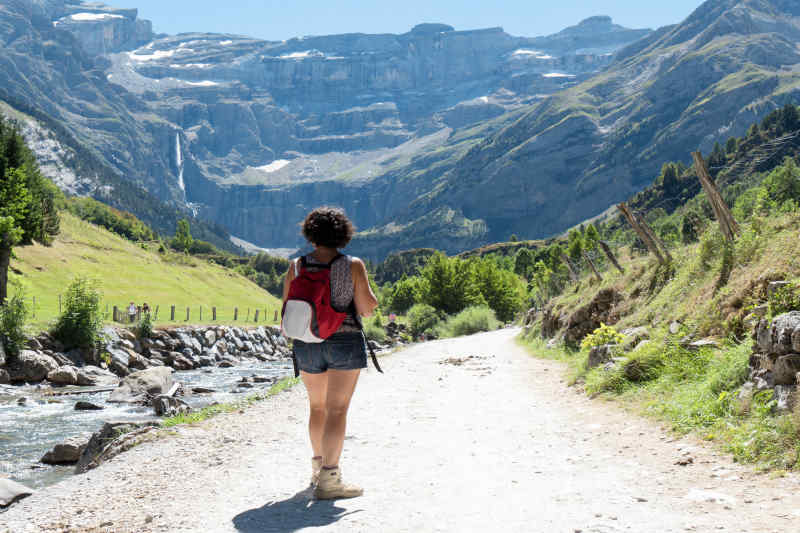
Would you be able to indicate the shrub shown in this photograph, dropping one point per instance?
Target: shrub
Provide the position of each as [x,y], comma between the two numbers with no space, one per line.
[784,299]
[374,330]
[422,318]
[13,315]
[81,321]
[471,320]
[601,336]
[144,329]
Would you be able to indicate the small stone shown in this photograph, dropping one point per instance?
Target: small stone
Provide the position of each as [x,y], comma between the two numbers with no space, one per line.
[87,406]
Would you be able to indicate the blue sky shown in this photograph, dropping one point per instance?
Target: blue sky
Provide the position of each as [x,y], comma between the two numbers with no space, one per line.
[278,20]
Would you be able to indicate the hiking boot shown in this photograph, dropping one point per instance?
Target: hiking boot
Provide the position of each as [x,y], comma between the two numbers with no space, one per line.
[316,466]
[331,487]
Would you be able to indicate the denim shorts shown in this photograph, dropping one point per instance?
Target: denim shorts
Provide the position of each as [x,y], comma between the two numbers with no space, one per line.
[340,351]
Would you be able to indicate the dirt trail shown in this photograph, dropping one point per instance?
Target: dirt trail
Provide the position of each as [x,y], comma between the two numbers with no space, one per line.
[467,434]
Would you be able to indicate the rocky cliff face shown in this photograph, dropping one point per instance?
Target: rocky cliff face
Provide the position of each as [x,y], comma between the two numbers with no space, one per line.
[253,133]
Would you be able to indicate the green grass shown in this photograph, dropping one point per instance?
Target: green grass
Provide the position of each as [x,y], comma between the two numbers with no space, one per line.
[127,272]
[211,411]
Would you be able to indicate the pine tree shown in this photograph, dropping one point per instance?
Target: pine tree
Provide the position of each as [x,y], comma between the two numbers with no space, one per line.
[27,200]
[183,236]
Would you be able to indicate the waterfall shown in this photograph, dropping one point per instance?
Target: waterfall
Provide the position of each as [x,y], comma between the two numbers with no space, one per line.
[179,162]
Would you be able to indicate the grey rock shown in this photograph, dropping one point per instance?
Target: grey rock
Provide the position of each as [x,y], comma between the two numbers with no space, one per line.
[599,355]
[763,336]
[2,355]
[642,344]
[35,345]
[110,335]
[633,336]
[65,375]
[120,360]
[11,491]
[169,406]
[153,381]
[785,369]
[704,343]
[781,332]
[31,366]
[675,328]
[204,361]
[113,438]
[5,379]
[785,397]
[203,390]
[262,379]
[245,385]
[66,453]
[94,375]
[125,334]
[226,363]
[87,406]
[796,340]
[210,337]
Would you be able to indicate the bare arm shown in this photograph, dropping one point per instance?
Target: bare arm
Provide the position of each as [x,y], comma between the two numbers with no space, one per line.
[288,280]
[365,299]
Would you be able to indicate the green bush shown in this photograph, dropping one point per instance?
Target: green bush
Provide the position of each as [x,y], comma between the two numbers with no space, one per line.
[80,323]
[784,299]
[471,320]
[422,318]
[601,336]
[374,330]
[144,329]
[13,315]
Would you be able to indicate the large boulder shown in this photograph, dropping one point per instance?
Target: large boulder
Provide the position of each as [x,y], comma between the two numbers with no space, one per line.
[94,375]
[634,336]
[113,438]
[781,334]
[5,379]
[169,405]
[67,453]
[120,360]
[210,337]
[785,369]
[11,491]
[137,386]
[63,375]
[30,366]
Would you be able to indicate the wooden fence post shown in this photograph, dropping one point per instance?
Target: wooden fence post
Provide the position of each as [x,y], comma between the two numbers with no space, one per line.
[256,317]
[724,216]
[201,313]
[235,314]
[591,264]
[155,315]
[115,314]
[172,314]
[214,314]
[572,273]
[59,304]
[638,226]
[611,257]
[248,315]
[34,307]
[276,316]
[187,313]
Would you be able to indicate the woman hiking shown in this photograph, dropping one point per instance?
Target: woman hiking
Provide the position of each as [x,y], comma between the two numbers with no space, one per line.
[330,369]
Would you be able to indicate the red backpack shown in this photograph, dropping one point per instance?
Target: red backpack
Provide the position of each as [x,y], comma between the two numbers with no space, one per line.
[308,314]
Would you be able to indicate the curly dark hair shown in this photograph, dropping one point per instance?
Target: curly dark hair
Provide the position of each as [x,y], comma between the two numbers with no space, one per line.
[328,226]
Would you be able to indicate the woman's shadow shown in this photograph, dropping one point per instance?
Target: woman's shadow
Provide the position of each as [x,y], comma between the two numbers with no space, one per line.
[298,512]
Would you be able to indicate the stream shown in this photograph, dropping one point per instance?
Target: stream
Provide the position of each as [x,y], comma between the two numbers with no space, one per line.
[28,431]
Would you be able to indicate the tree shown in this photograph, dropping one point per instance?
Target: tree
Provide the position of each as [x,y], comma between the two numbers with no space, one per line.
[503,290]
[27,201]
[523,262]
[575,246]
[732,145]
[447,284]
[591,237]
[183,236]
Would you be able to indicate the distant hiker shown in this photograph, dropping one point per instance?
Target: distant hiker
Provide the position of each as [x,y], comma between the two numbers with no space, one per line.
[392,317]
[335,350]
[132,312]
[145,309]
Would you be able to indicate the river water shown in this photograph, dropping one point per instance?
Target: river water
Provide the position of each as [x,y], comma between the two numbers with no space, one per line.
[28,431]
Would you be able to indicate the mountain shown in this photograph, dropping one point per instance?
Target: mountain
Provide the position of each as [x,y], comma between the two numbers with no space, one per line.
[250,134]
[682,88]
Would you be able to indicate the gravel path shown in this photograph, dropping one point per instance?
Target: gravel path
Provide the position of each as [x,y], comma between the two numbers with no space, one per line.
[467,434]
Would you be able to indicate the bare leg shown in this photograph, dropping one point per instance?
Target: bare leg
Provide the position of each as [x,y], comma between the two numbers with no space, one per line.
[317,387]
[341,384]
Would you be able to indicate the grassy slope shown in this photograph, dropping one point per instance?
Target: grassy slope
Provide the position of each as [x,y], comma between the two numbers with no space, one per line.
[697,391]
[128,272]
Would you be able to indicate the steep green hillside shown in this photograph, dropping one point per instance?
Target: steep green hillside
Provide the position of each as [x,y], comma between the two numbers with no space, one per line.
[129,271]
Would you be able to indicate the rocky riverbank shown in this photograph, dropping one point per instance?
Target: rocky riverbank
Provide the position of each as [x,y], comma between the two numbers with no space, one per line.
[59,408]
